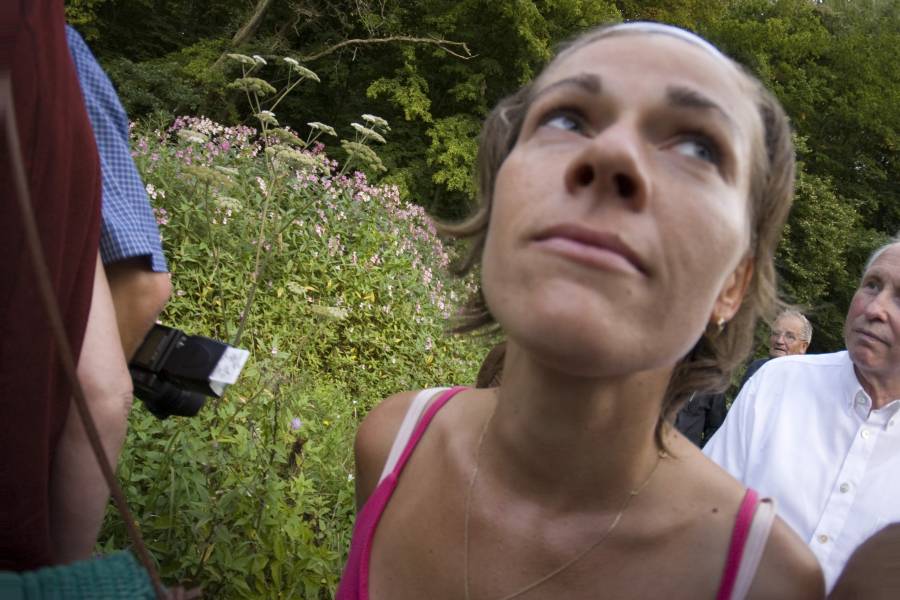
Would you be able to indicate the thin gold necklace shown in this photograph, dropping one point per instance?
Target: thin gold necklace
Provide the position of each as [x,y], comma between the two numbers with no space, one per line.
[631,495]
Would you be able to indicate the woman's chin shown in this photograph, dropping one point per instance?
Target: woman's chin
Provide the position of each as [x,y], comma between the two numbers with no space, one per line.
[591,358]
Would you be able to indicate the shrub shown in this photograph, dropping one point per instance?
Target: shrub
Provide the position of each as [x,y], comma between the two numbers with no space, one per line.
[336,287]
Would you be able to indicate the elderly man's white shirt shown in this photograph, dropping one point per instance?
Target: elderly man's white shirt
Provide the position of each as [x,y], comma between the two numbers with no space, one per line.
[802,431]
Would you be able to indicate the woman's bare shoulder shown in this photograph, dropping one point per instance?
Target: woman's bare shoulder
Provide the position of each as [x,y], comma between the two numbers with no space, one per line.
[374,438]
[375,435]
[704,482]
[788,569]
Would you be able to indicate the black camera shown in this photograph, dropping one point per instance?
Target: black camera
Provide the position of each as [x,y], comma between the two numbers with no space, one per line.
[173,372]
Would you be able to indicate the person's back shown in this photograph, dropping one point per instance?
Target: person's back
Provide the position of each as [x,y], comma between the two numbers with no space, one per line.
[700,417]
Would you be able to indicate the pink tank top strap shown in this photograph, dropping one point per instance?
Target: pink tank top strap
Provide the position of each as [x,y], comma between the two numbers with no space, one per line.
[420,428]
[355,580]
[738,542]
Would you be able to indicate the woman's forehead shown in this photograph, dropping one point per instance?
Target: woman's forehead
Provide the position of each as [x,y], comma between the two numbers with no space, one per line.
[629,62]
[652,53]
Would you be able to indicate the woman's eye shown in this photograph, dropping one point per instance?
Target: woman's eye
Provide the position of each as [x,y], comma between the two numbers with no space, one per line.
[564,121]
[698,148]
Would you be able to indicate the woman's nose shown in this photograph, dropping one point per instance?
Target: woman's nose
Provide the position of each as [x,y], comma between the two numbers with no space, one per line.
[610,166]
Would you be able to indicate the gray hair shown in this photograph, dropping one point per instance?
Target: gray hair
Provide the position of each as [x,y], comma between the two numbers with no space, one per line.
[806,328]
[879,251]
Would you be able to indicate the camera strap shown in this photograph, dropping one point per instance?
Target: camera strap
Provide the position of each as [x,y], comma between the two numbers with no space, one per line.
[45,289]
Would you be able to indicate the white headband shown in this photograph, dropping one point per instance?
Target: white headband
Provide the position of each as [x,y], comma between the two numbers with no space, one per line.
[682,34]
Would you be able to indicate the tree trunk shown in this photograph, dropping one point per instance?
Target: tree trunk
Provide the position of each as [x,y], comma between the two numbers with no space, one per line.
[249,29]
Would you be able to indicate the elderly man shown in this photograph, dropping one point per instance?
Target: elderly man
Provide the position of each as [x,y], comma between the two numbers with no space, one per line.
[791,334]
[821,433]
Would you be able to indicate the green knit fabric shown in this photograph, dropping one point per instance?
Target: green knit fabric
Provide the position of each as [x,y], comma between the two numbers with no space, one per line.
[114,577]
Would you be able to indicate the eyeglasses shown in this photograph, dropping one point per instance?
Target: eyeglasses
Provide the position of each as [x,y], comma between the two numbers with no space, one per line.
[787,335]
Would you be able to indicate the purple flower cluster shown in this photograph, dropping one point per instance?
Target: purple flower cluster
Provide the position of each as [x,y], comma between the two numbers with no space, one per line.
[336,204]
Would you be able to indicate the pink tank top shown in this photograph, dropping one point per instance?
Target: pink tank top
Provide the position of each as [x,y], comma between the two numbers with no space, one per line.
[748,537]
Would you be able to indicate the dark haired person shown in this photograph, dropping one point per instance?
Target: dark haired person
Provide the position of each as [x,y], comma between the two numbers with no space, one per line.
[701,416]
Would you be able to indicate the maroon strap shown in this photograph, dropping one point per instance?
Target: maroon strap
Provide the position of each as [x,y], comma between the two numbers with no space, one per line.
[738,541]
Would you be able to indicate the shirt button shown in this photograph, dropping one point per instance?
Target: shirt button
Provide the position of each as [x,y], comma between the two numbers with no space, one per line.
[891,423]
[865,434]
[823,539]
[845,487]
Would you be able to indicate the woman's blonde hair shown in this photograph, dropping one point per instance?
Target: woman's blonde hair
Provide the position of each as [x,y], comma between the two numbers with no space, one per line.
[708,366]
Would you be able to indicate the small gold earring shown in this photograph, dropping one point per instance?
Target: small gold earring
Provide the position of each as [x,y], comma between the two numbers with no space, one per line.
[720,324]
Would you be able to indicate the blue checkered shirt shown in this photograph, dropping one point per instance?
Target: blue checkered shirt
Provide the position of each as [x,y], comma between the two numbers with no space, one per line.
[129,225]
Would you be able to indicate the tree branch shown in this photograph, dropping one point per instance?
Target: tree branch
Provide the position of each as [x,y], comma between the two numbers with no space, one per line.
[444,45]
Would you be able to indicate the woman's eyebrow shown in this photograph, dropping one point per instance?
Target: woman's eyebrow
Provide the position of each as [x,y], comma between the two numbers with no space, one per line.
[684,97]
[587,82]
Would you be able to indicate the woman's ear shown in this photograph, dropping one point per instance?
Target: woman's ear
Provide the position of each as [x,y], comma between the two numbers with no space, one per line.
[732,294]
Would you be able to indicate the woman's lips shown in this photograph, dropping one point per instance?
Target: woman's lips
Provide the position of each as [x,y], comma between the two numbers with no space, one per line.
[592,248]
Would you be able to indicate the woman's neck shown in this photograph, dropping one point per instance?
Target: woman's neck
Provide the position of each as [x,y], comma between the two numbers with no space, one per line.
[572,441]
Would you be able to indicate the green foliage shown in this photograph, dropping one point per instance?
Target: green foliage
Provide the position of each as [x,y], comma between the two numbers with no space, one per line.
[180,82]
[451,155]
[855,130]
[82,14]
[814,254]
[148,29]
[153,86]
[336,287]
[831,65]
[408,90]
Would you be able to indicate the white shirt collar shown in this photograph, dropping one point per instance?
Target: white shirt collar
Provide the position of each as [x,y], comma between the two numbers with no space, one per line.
[859,402]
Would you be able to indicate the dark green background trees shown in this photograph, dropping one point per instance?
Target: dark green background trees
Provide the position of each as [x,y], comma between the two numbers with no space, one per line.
[433,68]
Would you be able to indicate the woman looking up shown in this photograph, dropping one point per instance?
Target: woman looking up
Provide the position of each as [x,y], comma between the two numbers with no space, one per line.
[632,197]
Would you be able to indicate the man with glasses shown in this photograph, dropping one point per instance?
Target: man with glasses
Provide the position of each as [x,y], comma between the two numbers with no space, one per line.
[791,334]
[703,414]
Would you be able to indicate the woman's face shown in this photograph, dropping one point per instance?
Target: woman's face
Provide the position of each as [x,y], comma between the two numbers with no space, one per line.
[619,222]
